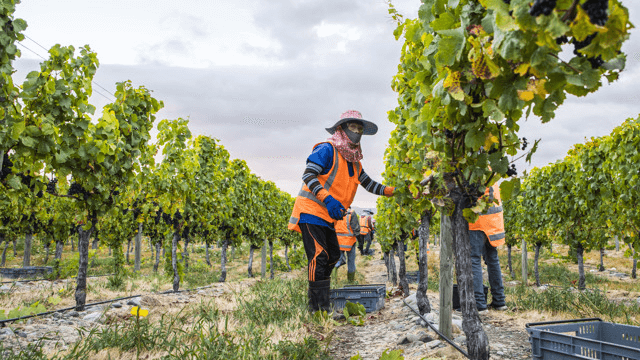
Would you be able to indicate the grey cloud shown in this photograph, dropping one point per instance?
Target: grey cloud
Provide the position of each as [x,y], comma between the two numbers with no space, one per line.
[291,23]
[155,54]
[185,24]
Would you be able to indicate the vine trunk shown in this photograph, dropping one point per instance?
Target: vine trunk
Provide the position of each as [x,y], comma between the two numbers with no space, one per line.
[423,237]
[477,340]
[83,262]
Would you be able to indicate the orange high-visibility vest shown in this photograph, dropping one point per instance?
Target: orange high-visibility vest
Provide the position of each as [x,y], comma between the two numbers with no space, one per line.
[337,182]
[364,225]
[492,223]
[344,232]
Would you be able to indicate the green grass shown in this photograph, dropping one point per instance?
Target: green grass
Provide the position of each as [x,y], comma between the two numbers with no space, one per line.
[199,331]
[279,302]
[200,274]
[560,275]
[579,304]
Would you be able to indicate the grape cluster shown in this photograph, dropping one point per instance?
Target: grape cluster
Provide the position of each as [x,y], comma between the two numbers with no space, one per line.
[167,219]
[448,134]
[524,143]
[512,170]
[51,186]
[25,179]
[597,11]
[596,62]
[136,209]
[577,45]
[542,7]
[7,164]
[8,25]
[77,189]
[562,40]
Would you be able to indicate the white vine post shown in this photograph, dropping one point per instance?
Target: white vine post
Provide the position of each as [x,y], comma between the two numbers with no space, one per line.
[446,275]
[263,266]
[138,248]
[525,273]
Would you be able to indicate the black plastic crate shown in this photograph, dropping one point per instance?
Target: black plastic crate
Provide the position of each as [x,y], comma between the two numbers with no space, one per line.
[371,296]
[413,276]
[583,339]
[455,298]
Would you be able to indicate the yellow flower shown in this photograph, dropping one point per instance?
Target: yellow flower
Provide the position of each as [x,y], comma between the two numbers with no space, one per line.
[139,312]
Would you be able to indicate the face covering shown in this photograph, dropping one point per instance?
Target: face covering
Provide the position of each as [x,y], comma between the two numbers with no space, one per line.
[345,147]
[354,137]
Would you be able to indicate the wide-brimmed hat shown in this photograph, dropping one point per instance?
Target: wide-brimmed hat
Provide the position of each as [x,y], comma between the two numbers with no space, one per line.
[350,115]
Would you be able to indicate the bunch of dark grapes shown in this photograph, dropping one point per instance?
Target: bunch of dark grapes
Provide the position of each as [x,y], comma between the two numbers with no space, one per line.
[177,215]
[26,179]
[51,186]
[7,164]
[185,232]
[508,2]
[596,62]
[512,170]
[562,40]
[448,134]
[542,7]
[597,11]
[158,217]
[167,219]
[75,189]
[524,143]
[577,45]
[39,194]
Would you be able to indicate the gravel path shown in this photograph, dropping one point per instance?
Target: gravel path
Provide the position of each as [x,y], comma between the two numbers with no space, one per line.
[398,327]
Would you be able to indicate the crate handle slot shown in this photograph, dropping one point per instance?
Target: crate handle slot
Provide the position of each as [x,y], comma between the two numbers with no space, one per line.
[561,322]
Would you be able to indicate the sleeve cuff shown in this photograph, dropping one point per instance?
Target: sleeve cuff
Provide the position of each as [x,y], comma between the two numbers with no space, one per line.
[322,194]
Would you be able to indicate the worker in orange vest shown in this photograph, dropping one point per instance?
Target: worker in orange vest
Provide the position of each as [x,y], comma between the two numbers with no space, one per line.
[365,233]
[330,180]
[346,230]
[485,235]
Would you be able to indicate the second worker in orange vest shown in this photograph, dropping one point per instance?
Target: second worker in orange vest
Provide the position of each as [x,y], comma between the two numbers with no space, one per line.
[346,230]
[330,180]
[366,234]
[485,235]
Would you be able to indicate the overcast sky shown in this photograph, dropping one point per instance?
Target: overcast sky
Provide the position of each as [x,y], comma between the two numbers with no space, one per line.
[266,77]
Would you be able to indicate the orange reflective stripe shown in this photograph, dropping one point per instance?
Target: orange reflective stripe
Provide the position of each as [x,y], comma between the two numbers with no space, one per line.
[345,247]
[313,263]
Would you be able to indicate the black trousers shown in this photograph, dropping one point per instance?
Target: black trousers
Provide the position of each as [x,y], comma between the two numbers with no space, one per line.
[367,240]
[360,239]
[322,248]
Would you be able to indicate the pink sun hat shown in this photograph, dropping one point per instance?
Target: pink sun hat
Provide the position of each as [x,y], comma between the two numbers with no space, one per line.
[351,115]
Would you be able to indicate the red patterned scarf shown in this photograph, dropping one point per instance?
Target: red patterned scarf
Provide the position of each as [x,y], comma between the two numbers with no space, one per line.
[345,147]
